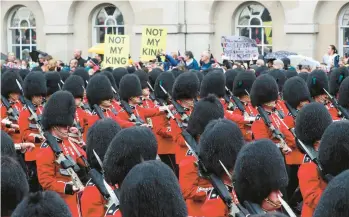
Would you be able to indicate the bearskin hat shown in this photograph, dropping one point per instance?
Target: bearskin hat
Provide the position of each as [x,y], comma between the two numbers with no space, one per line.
[311,122]
[291,73]
[80,71]
[23,73]
[166,80]
[186,86]
[317,81]
[304,75]
[14,185]
[9,84]
[59,110]
[343,94]
[213,83]
[130,86]
[108,69]
[176,72]
[128,148]
[34,85]
[261,70]
[151,188]
[336,78]
[111,79]
[205,110]
[42,203]
[53,82]
[200,75]
[259,170]
[214,145]
[334,147]
[143,78]
[64,75]
[130,69]
[230,77]
[295,91]
[242,83]
[264,90]
[334,201]
[279,76]
[118,73]
[99,137]
[7,146]
[75,85]
[98,89]
[153,75]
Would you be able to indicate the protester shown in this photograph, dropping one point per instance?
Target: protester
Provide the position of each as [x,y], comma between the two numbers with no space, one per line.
[77,56]
[278,64]
[190,62]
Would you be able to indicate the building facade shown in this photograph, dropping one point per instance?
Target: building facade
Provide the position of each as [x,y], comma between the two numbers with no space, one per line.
[58,27]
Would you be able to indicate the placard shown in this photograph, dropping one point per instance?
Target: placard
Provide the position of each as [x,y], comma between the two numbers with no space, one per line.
[153,42]
[239,48]
[116,50]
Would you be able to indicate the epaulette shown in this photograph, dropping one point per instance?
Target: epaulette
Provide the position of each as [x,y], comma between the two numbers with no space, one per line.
[44,145]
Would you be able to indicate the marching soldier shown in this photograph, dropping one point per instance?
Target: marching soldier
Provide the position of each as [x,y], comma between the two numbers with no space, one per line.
[153,75]
[80,71]
[311,122]
[230,77]
[53,83]
[29,122]
[280,79]
[118,73]
[57,118]
[99,138]
[116,104]
[10,104]
[151,189]
[260,175]
[144,79]
[343,94]
[336,77]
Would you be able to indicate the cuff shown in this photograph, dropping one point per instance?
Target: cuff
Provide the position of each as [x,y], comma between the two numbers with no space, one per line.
[68,189]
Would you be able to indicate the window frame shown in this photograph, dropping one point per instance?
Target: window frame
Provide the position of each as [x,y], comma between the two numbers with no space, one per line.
[239,27]
[10,31]
[341,28]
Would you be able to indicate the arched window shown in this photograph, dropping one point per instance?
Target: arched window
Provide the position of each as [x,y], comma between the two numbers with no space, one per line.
[254,21]
[107,20]
[21,32]
[344,31]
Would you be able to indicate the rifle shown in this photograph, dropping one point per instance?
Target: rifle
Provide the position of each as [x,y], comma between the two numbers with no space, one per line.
[292,110]
[12,113]
[342,112]
[98,111]
[231,105]
[66,162]
[151,95]
[276,133]
[133,117]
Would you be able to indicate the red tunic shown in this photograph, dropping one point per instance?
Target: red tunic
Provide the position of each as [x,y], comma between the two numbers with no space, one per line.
[141,112]
[28,127]
[52,176]
[15,135]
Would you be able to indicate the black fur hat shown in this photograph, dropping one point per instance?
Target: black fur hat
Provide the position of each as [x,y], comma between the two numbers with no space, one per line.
[343,94]
[42,203]
[279,76]
[242,83]
[230,77]
[186,86]
[304,75]
[9,84]
[336,78]
[59,110]
[199,74]
[334,201]
[166,80]
[291,73]
[261,70]
[7,146]
[80,71]
[130,86]
[317,81]
[99,137]
[34,85]
[176,72]
[311,122]
[295,91]
[111,79]
[153,75]
[334,148]
[130,69]
[213,83]
[143,78]
[53,82]
[205,110]
[152,190]
[14,185]
[23,73]
[118,73]
[127,149]
[264,90]
[98,89]
[259,170]
[214,145]
[75,85]
[64,75]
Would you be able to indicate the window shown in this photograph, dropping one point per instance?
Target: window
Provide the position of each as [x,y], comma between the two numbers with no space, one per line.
[254,21]
[107,20]
[21,32]
[344,31]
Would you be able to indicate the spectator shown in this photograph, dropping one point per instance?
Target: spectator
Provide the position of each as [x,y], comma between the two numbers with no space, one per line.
[170,60]
[331,58]
[77,56]
[45,66]
[92,66]
[190,62]
[260,63]
[52,65]
[25,64]
[99,57]
[206,60]
[278,64]
[73,64]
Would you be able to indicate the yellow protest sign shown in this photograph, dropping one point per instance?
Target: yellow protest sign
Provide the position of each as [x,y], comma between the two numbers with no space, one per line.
[153,42]
[116,50]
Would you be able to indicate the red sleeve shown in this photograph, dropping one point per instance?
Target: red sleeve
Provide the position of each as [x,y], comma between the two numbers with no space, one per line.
[24,128]
[92,203]
[289,138]
[334,113]
[122,122]
[239,119]
[260,130]
[177,133]
[310,184]
[160,126]
[3,116]
[289,121]
[150,112]
[46,168]
[214,206]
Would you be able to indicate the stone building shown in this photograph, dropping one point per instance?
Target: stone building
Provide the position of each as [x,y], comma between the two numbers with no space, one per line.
[57,27]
